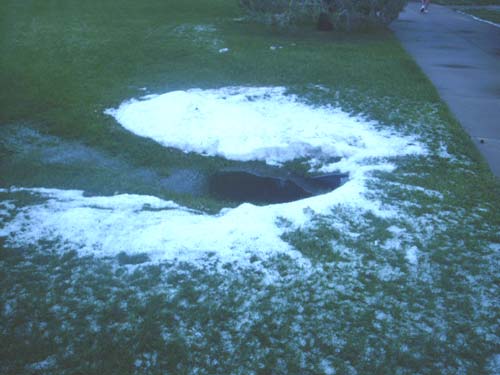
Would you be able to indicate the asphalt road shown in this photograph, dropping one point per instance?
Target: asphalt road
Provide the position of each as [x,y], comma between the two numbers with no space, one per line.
[461,56]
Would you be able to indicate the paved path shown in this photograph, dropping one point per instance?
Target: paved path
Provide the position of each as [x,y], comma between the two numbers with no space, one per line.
[461,56]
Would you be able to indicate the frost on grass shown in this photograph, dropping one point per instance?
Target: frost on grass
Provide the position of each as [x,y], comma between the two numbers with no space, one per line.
[396,272]
[203,36]
[339,317]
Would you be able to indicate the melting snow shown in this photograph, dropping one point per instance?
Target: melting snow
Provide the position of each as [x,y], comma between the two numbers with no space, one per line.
[245,124]
[412,255]
[235,123]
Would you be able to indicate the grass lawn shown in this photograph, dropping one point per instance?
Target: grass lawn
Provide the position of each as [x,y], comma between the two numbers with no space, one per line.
[414,293]
[467,2]
[485,14]
[65,64]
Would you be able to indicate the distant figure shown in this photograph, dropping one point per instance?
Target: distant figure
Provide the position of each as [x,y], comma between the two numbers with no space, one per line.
[425,5]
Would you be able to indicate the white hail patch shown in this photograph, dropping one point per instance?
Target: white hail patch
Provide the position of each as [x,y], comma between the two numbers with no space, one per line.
[242,123]
[235,123]
[204,36]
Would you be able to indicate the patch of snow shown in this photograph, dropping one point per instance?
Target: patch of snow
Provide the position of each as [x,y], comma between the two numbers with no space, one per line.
[327,367]
[388,273]
[236,123]
[412,255]
[443,152]
[493,364]
[8,309]
[392,243]
[189,29]
[204,28]
[46,364]
[321,88]
[7,205]
[201,35]
[394,229]
[495,246]
[380,315]
[428,192]
[109,225]
[245,123]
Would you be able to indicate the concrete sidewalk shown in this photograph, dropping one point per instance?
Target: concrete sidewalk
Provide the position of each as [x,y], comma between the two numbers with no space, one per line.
[461,56]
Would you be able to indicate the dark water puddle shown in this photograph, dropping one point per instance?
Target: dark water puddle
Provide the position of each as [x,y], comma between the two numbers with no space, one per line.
[245,186]
[34,159]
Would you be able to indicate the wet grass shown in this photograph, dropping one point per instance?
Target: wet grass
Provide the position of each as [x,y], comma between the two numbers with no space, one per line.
[467,2]
[485,14]
[64,314]
[360,307]
[65,62]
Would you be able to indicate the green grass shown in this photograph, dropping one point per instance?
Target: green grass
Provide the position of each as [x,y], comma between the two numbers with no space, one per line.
[485,14]
[83,315]
[65,62]
[467,2]
[360,307]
